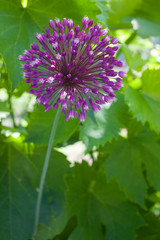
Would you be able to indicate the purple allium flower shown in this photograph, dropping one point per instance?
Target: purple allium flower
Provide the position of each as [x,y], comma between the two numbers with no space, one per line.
[75,67]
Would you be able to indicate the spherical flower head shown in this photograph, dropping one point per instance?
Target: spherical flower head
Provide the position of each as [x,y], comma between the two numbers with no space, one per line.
[74,67]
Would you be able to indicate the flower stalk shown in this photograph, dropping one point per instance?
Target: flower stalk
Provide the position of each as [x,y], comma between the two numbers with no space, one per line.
[44,171]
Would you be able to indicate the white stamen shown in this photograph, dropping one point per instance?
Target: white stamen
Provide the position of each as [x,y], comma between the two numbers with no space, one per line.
[50,80]
[57,20]
[70,21]
[76,40]
[105,31]
[41,80]
[55,45]
[86,18]
[90,53]
[86,108]
[39,36]
[99,25]
[63,95]
[36,61]
[64,106]
[58,56]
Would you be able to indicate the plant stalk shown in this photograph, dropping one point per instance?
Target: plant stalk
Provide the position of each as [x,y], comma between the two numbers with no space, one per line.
[44,171]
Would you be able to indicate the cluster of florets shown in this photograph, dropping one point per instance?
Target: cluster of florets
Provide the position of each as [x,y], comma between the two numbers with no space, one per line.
[75,67]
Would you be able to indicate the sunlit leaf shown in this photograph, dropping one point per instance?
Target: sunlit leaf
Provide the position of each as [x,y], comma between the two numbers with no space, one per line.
[134,60]
[145,103]
[109,120]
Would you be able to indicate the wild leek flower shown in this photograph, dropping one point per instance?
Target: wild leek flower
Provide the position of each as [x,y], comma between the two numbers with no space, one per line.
[75,67]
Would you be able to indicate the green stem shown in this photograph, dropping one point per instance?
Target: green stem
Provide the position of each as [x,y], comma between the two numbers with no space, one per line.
[44,171]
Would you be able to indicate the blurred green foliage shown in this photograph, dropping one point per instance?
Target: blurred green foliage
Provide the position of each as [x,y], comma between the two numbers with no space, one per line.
[116,196]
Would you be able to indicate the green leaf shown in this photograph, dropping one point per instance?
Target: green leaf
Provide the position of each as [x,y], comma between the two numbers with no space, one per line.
[133,59]
[58,167]
[126,156]
[109,120]
[101,208]
[17,196]
[150,231]
[59,228]
[20,170]
[18,25]
[148,28]
[119,11]
[145,103]
[119,14]
[40,125]
[114,12]
[124,163]
[148,18]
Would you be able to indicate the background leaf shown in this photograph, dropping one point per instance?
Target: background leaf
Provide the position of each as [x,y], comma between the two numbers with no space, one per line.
[127,158]
[150,231]
[101,203]
[20,168]
[145,103]
[134,60]
[108,124]
[41,124]
[17,195]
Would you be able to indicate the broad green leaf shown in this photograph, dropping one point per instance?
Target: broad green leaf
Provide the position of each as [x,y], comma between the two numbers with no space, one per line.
[18,25]
[126,157]
[17,195]
[145,103]
[134,60]
[109,120]
[59,228]
[148,28]
[40,125]
[97,202]
[118,14]
[20,169]
[151,231]
[114,12]
[125,164]
[58,167]
[148,18]
[119,11]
